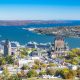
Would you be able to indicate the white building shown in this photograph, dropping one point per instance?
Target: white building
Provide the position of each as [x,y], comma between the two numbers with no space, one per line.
[22,62]
[14,47]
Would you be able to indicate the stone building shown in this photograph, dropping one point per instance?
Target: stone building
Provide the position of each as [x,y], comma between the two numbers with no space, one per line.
[7,48]
[59,44]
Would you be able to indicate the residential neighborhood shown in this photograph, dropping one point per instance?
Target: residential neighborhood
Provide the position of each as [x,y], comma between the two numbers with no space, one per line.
[41,60]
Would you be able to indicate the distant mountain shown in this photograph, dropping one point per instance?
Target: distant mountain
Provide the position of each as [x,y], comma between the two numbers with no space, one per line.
[25,22]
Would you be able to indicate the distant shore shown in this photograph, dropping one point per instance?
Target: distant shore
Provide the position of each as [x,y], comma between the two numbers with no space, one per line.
[73,32]
[36,22]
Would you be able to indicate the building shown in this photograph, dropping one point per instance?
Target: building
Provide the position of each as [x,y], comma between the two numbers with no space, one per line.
[1,50]
[10,47]
[45,46]
[59,48]
[7,48]
[14,47]
[60,45]
[22,62]
[31,45]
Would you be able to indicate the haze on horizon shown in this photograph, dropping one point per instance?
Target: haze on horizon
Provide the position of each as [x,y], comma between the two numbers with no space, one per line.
[39,9]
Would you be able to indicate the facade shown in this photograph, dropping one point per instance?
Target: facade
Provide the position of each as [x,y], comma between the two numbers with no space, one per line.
[14,47]
[22,62]
[1,50]
[60,45]
[35,45]
[10,48]
[7,48]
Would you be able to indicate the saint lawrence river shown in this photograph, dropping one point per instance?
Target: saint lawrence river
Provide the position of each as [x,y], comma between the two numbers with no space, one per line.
[17,33]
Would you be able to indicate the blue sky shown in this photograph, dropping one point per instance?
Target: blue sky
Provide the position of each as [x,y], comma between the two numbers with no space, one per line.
[39,9]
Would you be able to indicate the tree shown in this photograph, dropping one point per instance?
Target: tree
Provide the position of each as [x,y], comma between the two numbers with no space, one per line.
[32,73]
[9,59]
[24,67]
[50,71]
[14,77]
[71,55]
[43,65]
[78,72]
[57,73]
[6,73]
[74,62]
[23,53]
[19,74]
[37,62]
[2,61]
[70,75]
[66,74]
[51,65]
[35,66]
[75,51]
[42,73]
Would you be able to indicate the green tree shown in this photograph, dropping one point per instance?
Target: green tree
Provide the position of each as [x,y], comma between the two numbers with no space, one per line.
[37,62]
[42,73]
[50,71]
[67,74]
[6,73]
[24,67]
[14,77]
[9,59]
[75,51]
[78,72]
[51,65]
[70,75]
[23,52]
[71,55]
[2,61]
[74,62]
[35,66]
[32,73]
[43,65]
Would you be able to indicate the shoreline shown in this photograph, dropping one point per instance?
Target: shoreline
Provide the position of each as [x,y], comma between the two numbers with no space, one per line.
[73,32]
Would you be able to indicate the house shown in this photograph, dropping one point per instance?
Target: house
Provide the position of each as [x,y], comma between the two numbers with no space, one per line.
[22,62]
[14,47]
[73,67]
[35,45]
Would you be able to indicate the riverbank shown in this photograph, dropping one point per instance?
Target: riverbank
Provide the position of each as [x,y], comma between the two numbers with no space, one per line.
[73,32]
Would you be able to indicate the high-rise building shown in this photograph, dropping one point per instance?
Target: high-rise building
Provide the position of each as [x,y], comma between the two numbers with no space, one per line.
[7,48]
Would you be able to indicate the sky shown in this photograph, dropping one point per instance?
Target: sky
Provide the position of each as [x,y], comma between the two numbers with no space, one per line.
[39,9]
